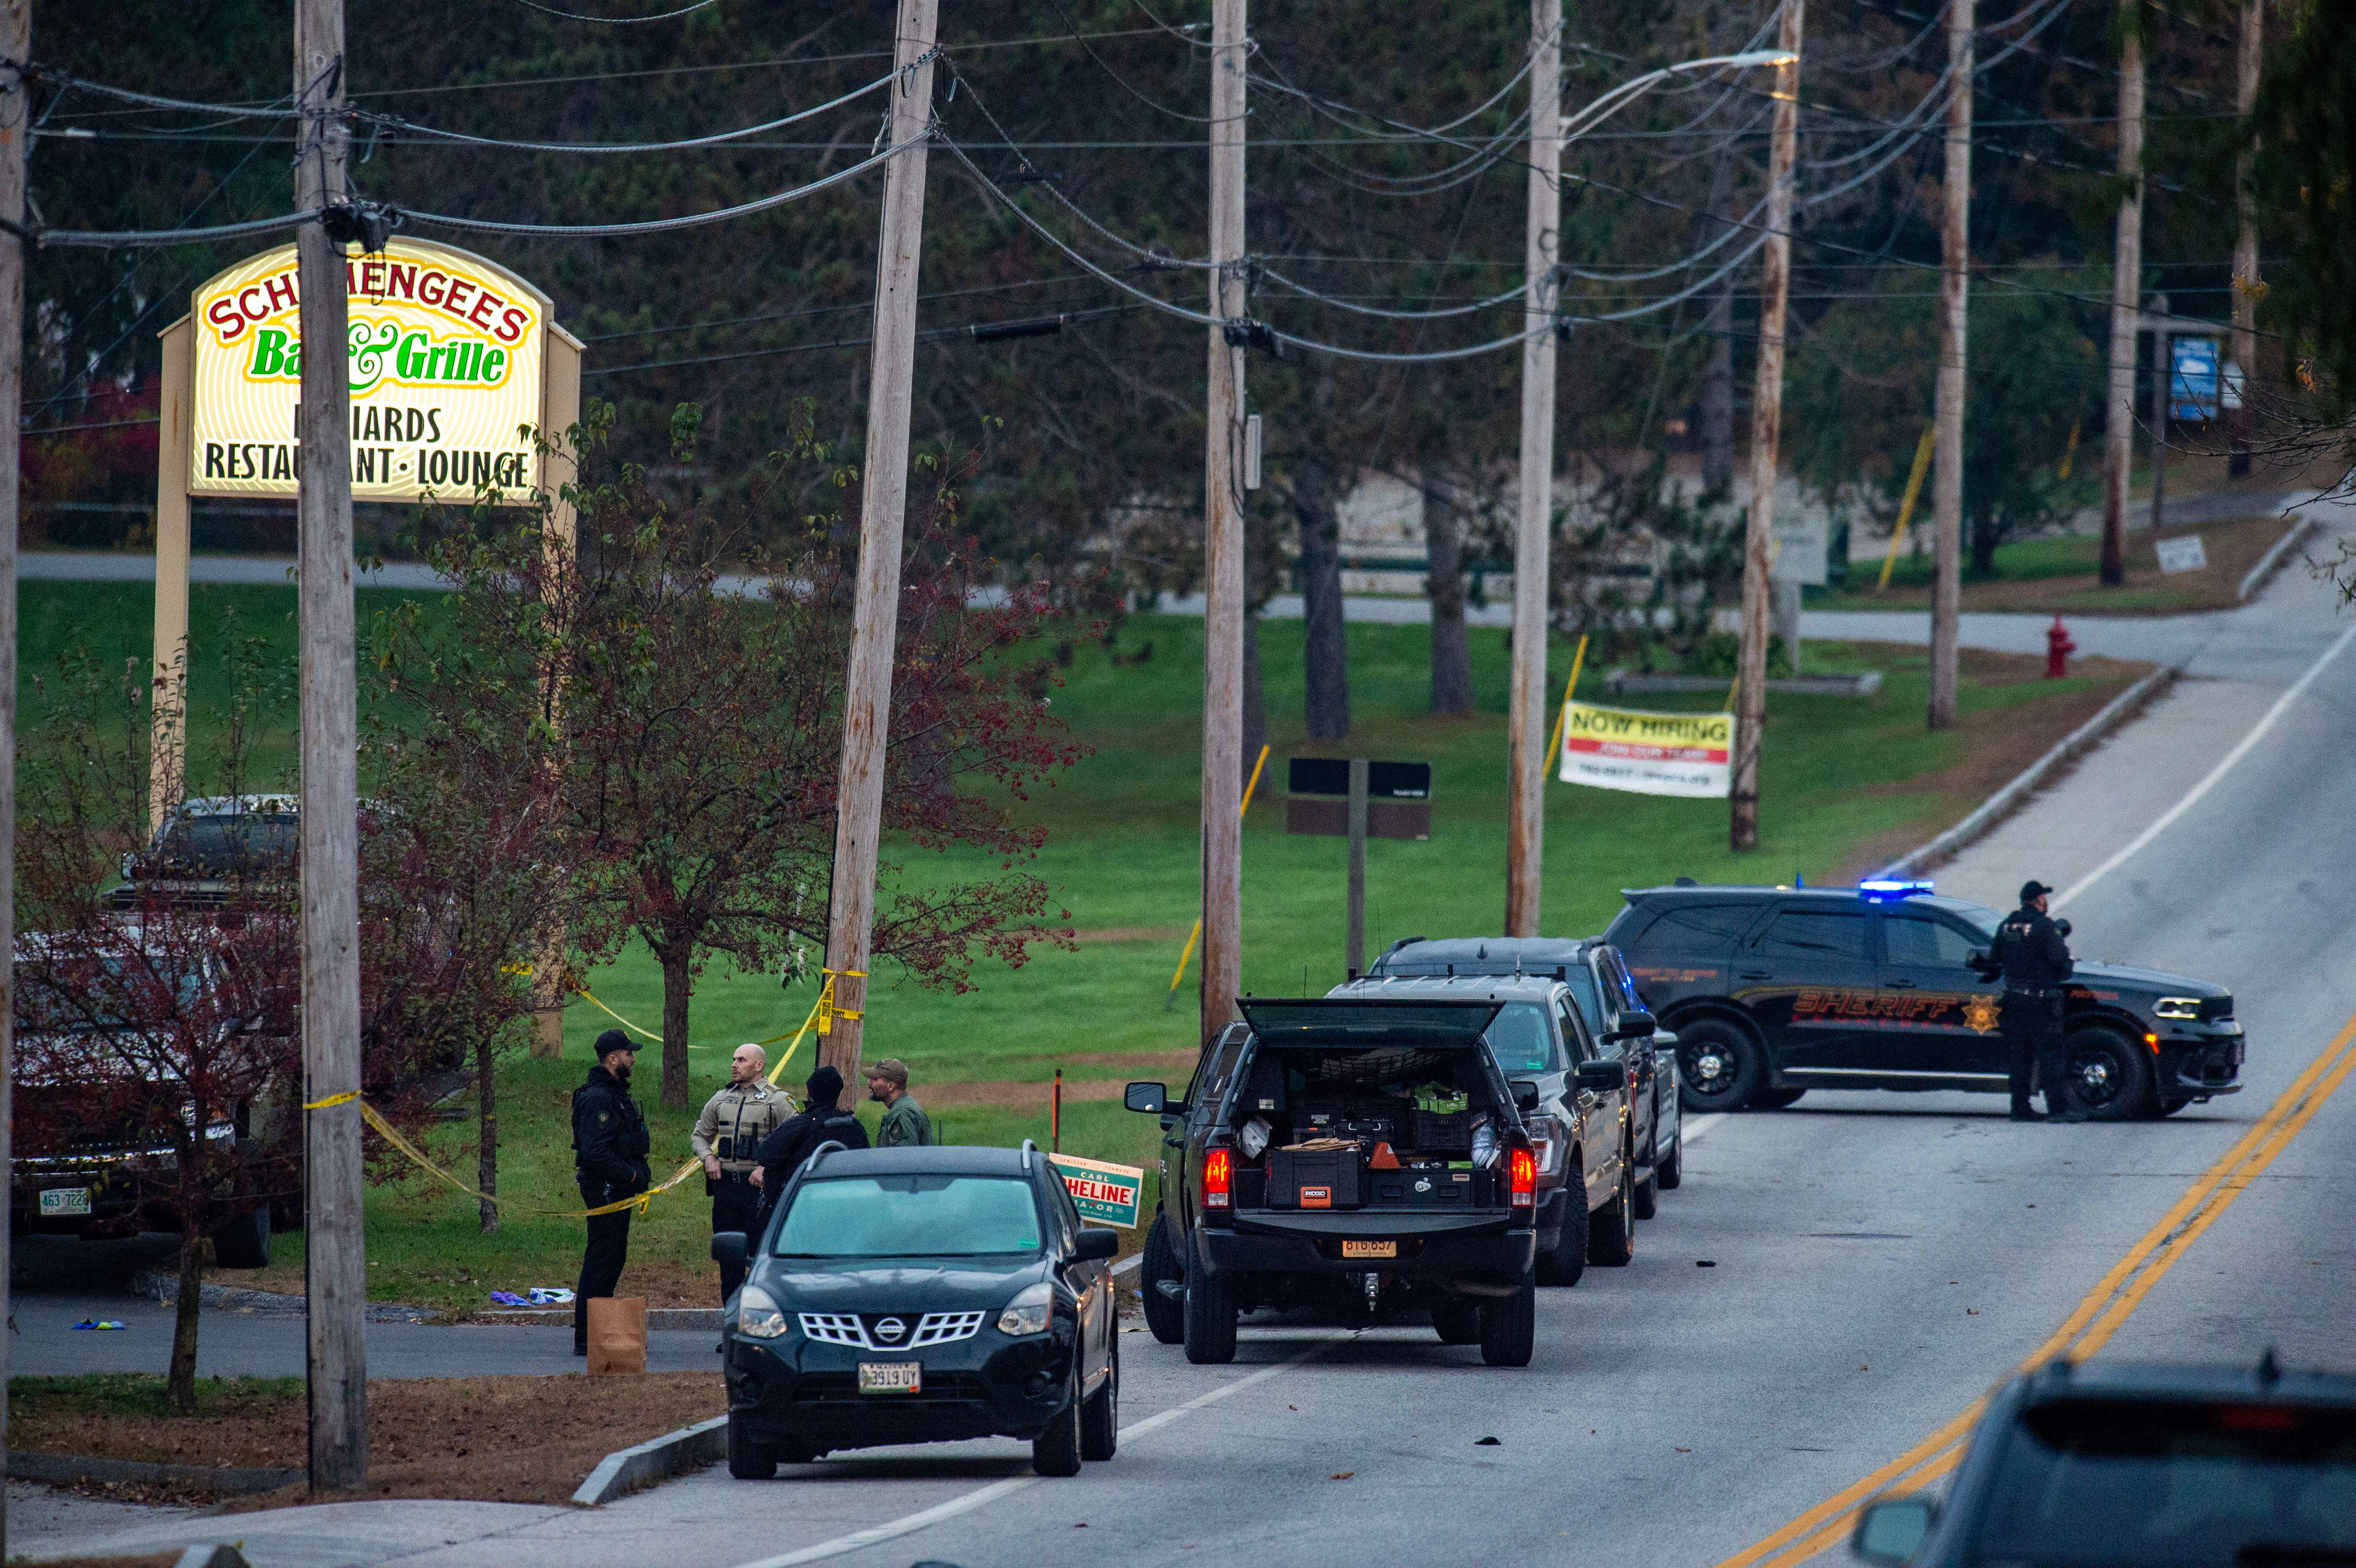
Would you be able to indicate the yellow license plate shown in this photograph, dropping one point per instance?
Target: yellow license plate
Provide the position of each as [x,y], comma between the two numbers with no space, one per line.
[1370,1249]
[891,1376]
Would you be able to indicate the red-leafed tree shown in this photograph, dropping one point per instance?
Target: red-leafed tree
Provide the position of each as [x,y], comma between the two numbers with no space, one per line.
[676,682]
[156,1048]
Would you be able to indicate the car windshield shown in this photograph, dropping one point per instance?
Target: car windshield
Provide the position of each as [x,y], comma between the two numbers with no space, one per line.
[2142,1484]
[910,1216]
[229,845]
[1521,1041]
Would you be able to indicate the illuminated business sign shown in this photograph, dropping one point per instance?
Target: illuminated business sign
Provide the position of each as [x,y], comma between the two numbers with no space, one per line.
[447,359]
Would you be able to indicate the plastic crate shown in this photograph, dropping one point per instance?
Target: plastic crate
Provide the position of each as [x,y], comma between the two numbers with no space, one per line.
[1442,1132]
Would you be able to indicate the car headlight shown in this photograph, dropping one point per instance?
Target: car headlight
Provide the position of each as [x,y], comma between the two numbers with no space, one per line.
[2177,1008]
[758,1317]
[1027,1312]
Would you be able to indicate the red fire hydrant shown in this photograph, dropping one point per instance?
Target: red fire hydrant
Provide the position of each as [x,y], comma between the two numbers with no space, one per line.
[2058,649]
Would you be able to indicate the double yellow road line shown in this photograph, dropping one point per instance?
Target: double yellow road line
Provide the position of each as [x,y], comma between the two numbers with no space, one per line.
[2096,1318]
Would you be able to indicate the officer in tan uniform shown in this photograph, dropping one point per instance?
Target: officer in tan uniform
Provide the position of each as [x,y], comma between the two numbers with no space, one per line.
[733,1123]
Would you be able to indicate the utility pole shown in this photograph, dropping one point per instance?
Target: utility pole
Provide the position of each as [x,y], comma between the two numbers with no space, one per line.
[16,122]
[1533,536]
[1223,536]
[2126,276]
[2246,243]
[336,1259]
[1955,296]
[883,520]
[2163,372]
[1354,928]
[1766,428]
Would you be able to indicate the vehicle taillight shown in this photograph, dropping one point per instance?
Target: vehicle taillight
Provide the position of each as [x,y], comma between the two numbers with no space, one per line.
[1523,1173]
[1218,1177]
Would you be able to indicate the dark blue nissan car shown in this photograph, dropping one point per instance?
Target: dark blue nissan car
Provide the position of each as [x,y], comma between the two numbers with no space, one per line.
[923,1296]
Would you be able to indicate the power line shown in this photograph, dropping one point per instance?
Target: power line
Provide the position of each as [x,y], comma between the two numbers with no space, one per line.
[583,17]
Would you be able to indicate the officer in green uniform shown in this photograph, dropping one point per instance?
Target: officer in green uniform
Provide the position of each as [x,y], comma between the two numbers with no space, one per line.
[733,1123]
[904,1122]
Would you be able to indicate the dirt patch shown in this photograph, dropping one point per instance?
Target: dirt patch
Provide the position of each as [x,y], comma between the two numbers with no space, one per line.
[2000,743]
[1185,1059]
[1018,1096]
[493,1439]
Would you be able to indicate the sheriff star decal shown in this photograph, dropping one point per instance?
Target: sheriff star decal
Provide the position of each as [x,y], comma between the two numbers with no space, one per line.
[1980,1014]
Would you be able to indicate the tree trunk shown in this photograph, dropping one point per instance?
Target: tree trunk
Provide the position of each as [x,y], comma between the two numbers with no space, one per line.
[677,984]
[1325,646]
[1255,699]
[181,1387]
[486,1159]
[1443,550]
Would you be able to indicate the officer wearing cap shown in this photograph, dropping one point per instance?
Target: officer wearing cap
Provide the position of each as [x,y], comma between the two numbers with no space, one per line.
[734,1121]
[904,1123]
[609,1159]
[2036,960]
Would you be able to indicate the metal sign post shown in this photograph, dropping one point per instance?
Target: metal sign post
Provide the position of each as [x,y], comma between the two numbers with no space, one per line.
[1352,798]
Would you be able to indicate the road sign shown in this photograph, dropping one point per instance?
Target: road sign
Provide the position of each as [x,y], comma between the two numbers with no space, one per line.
[1108,1194]
[1385,780]
[1803,540]
[2192,379]
[2183,554]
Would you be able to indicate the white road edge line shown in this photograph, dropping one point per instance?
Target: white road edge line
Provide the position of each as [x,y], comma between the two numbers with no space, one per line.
[2224,766]
[981,1497]
[1693,1130]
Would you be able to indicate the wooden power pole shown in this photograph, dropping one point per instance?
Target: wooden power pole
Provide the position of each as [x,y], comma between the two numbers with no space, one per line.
[883,520]
[1766,429]
[2126,275]
[16,122]
[1954,297]
[1526,726]
[1223,536]
[2245,241]
[336,1258]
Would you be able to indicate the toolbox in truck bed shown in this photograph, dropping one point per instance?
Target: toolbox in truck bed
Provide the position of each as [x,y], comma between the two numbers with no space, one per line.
[1315,1179]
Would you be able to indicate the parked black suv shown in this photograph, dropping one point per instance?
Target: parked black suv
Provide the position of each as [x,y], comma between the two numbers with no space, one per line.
[1775,991]
[1616,1017]
[922,1296]
[1354,1153]
[2128,1465]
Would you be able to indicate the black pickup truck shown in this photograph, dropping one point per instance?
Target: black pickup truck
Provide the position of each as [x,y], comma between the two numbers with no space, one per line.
[1354,1154]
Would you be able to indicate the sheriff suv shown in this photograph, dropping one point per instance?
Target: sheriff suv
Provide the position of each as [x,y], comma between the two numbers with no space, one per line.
[1776,991]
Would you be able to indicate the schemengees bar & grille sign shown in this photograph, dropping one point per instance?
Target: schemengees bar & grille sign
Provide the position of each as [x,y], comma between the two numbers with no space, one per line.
[448,360]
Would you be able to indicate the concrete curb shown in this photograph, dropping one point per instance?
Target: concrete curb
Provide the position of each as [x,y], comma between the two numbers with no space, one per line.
[2009,799]
[1865,683]
[59,1468]
[165,1289]
[632,1469]
[2271,562]
[703,1319]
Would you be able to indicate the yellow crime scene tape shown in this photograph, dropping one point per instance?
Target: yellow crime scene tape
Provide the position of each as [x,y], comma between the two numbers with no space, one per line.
[820,1018]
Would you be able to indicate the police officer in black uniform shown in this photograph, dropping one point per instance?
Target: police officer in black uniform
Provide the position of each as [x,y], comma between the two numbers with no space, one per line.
[821,1120]
[609,1160]
[2035,959]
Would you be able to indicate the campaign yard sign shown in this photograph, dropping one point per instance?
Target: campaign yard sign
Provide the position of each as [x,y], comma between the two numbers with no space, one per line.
[1647,753]
[1107,1194]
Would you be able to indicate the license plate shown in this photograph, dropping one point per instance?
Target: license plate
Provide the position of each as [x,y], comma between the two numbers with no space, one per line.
[891,1376]
[1369,1249]
[65,1201]
[2237,1052]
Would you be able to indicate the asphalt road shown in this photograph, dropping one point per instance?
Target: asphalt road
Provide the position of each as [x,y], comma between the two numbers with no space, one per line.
[1879,1259]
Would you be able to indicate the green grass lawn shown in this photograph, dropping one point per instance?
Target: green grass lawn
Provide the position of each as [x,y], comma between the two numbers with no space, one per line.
[1122,855]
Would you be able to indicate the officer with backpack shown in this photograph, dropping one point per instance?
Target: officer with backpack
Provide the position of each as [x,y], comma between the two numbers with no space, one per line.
[609,1160]
[823,1120]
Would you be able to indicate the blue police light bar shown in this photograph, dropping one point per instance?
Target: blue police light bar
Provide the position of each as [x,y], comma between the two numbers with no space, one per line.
[1892,892]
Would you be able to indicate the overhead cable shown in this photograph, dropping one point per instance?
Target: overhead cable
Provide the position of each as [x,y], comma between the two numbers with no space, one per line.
[616,21]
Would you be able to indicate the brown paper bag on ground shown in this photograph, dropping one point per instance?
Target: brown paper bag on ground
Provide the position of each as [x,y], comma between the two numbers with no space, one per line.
[618,1335]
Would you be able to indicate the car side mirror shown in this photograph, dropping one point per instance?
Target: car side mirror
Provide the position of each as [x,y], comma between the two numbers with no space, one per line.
[1601,1076]
[1635,1024]
[1893,1530]
[1095,1244]
[1151,1100]
[2062,927]
[728,1248]
[1526,1094]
